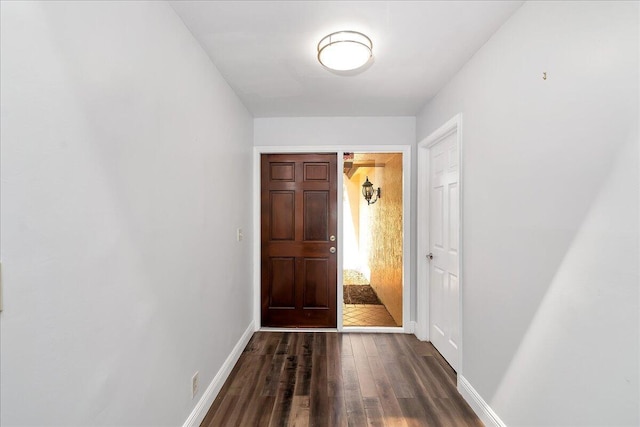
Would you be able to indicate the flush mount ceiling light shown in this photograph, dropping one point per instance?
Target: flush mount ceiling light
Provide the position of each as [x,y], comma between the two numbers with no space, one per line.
[345,50]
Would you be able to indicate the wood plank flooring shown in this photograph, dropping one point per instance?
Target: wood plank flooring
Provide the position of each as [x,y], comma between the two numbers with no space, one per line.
[331,379]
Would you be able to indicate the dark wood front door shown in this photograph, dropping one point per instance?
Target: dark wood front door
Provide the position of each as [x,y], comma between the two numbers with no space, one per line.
[298,227]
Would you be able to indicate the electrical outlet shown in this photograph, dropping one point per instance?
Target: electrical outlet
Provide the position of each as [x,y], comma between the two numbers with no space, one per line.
[239,235]
[194,385]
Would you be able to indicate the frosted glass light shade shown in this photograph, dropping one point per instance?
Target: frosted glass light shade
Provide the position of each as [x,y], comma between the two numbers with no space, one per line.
[345,50]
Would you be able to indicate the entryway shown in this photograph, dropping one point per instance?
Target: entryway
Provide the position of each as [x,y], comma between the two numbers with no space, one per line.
[281,286]
[372,239]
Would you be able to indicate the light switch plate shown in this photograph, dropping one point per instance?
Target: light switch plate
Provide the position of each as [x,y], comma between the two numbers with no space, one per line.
[195,384]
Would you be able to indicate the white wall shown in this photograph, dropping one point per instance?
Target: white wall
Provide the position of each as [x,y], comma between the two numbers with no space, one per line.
[122,186]
[344,131]
[328,131]
[551,214]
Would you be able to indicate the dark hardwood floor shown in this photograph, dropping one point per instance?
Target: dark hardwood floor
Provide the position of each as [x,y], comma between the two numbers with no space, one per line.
[331,379]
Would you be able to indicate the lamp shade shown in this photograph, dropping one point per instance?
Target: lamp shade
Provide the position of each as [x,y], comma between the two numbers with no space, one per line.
[345,50]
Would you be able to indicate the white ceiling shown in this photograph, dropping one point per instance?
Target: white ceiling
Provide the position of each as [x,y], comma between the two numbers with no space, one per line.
[266,50]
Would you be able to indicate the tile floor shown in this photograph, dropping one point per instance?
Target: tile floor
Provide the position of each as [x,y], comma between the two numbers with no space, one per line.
[366,315]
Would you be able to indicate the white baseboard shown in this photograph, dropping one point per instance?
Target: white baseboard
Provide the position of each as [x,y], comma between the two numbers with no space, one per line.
[477,403]
[421,331]
[205,402]
[411,327]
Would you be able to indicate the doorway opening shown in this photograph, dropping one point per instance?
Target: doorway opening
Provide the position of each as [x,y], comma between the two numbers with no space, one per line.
[372,258]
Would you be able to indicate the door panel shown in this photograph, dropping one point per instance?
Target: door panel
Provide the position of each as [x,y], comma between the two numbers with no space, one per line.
[316,277]
[454,218]
[282,171]
[316,172]
[282,215]
[437,296]
[454,309]
[316,219]
[282,273]
[437,211]
[444,226]
[298,216]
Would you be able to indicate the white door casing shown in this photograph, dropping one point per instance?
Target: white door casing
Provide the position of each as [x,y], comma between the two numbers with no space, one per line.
[439,298]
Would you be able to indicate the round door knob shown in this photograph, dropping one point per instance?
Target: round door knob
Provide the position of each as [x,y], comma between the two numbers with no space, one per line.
[430,256]
[332,250]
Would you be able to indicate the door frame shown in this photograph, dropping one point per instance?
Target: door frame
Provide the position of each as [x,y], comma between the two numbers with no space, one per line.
[407,325]
[423,287]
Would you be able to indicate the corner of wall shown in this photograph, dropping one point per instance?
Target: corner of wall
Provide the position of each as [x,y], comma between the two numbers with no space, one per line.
[478,404]
[210,394]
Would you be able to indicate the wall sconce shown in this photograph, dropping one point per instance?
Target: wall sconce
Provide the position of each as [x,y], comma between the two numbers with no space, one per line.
[369,192]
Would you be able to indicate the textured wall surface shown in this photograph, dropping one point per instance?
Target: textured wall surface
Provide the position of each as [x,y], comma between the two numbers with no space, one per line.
[385,256]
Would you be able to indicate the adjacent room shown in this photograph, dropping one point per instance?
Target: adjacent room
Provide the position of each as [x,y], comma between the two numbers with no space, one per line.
[268,213]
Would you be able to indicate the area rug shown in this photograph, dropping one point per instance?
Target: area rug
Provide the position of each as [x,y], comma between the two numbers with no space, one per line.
[360,294]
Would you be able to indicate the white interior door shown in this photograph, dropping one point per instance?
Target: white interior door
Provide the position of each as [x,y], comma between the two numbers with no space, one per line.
[444,226]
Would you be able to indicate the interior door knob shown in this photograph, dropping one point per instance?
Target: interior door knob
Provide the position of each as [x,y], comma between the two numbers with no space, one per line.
[332,250]
[430,256]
